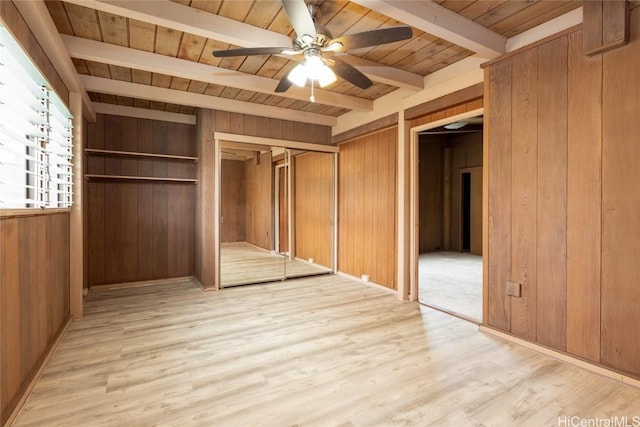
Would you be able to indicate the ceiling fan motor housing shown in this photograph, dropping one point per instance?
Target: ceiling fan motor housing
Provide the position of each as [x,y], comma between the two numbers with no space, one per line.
[304,42]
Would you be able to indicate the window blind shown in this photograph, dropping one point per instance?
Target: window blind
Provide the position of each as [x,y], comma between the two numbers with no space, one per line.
[35,135]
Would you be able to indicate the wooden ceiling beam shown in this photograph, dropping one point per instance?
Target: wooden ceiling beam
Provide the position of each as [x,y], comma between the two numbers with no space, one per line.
[441,22]
[384,74]
[194,21]
[152,93]
[143,113]
[132,58]
[37,17]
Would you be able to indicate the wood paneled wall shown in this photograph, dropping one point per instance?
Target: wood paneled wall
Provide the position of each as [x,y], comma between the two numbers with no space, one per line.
[34,280]
[367,207]
[140,230]
[233,194]
[563,201]
[259,201]
[313,206]
[620,286]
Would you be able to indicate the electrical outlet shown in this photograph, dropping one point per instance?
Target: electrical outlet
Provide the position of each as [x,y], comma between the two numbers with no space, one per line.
[514,289]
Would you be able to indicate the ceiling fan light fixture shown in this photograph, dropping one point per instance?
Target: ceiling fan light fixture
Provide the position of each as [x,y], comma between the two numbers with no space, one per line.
[317,70]
[314,66]
[327,76]
[298,76]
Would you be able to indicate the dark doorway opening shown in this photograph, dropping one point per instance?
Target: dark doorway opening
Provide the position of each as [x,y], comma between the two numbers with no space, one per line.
[466,211]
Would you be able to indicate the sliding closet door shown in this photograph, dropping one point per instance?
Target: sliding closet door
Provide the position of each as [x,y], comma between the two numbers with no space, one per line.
[247,251]
[311,201]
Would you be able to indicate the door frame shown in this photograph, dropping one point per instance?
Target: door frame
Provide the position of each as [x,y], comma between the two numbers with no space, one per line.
[276,205]
[414,196]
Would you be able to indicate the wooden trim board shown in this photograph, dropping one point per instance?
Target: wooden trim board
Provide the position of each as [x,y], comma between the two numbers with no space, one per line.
[77,212]
[456,98]
[563,357]
[118,153]
[447,120]
[12,213]
[485,206]
[533,45]
[217,210]
[334,234]
[373,132]
[197,282]
[376,125]
[143,113]
[92,177]
[272,142]
[140,283]
[374,284]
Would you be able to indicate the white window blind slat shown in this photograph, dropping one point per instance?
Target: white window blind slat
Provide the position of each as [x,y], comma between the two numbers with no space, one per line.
[22,121]
[35,135]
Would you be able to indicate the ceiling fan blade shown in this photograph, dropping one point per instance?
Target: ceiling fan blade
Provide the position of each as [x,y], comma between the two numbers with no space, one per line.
[252,51]
[373,38]
[351,74]
[285,83]
[300,18]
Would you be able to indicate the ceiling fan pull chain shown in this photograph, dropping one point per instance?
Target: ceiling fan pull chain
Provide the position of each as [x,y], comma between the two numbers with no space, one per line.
[312,98]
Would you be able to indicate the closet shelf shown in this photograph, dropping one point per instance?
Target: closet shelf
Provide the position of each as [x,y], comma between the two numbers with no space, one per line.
[116,153]
[93,177]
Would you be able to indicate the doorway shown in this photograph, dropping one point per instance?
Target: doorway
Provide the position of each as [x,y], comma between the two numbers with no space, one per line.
[449,217]
[471,210]
[465,217]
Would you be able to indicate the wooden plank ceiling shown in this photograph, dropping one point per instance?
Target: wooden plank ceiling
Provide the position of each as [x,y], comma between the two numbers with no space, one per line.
[421,55]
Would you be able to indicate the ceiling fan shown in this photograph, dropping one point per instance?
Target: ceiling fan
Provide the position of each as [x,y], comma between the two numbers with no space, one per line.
[316,46]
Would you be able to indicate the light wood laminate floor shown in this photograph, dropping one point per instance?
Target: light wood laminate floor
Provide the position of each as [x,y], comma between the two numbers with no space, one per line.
[243,263]
[452,281]
[322,351]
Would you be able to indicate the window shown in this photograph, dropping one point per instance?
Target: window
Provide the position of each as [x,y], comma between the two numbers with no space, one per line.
[35,135]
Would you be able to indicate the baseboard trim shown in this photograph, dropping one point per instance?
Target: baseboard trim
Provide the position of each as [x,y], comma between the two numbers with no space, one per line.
[373,284]
[562,357]
[140,283]
[204,289]
[35,377]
